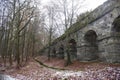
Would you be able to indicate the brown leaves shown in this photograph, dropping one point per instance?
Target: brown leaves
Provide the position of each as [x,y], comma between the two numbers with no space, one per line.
[76,71]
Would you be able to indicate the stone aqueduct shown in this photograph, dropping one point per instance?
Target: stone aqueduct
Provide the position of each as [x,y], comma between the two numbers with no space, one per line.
[100,38]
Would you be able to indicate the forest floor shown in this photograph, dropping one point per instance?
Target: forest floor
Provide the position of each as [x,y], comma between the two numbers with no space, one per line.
[76,71]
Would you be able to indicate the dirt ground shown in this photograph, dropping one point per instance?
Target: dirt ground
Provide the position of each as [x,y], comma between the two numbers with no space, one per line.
[76,71]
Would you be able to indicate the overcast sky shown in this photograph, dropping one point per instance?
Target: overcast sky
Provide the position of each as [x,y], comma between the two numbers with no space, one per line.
[89,4]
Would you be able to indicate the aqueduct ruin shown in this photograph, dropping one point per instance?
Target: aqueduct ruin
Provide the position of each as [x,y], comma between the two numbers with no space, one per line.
[97,36]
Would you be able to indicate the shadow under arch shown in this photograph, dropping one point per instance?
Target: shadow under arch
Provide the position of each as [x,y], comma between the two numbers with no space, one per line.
[91,37]
[72,41]
[72,48]
[116,25]
[91,46]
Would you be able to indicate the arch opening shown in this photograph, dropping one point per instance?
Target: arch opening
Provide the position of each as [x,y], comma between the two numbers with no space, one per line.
[91,46]
[116,25]
[91,38]
[72,49]
[61,51]
[72,41]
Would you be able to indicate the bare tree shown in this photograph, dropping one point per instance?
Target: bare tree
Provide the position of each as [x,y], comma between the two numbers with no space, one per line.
[50,26]
[15,29]
[67,10]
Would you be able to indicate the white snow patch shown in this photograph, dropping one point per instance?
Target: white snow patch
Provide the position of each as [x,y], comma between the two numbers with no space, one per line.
[68,73]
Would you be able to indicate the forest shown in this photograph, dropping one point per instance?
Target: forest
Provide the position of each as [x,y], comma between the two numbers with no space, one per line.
[27,26]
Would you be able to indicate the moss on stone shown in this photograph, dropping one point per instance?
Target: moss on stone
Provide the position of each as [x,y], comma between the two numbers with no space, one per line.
[75,27]
[78,25]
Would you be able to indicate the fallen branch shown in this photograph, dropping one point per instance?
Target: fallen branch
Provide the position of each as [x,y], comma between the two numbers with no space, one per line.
[41,63]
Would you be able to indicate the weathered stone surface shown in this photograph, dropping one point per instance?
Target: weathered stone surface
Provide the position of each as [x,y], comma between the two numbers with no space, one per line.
[107,44]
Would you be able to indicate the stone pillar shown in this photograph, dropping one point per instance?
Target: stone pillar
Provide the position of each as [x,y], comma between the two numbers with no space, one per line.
[112,50]
[101,48]
[87,52]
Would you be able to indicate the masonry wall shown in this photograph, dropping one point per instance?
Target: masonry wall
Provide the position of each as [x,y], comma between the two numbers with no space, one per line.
[107,51]
[107,47]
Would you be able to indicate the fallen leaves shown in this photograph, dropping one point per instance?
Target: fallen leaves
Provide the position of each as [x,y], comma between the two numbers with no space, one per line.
[76,71]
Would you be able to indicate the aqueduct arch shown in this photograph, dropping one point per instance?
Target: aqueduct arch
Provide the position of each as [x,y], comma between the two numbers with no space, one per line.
[90,48]
[113,46]
[72,48]
[116,25]
[105,45]
[91,38]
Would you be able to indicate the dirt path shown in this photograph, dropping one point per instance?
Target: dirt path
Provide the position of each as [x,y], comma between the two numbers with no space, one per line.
[76,71]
